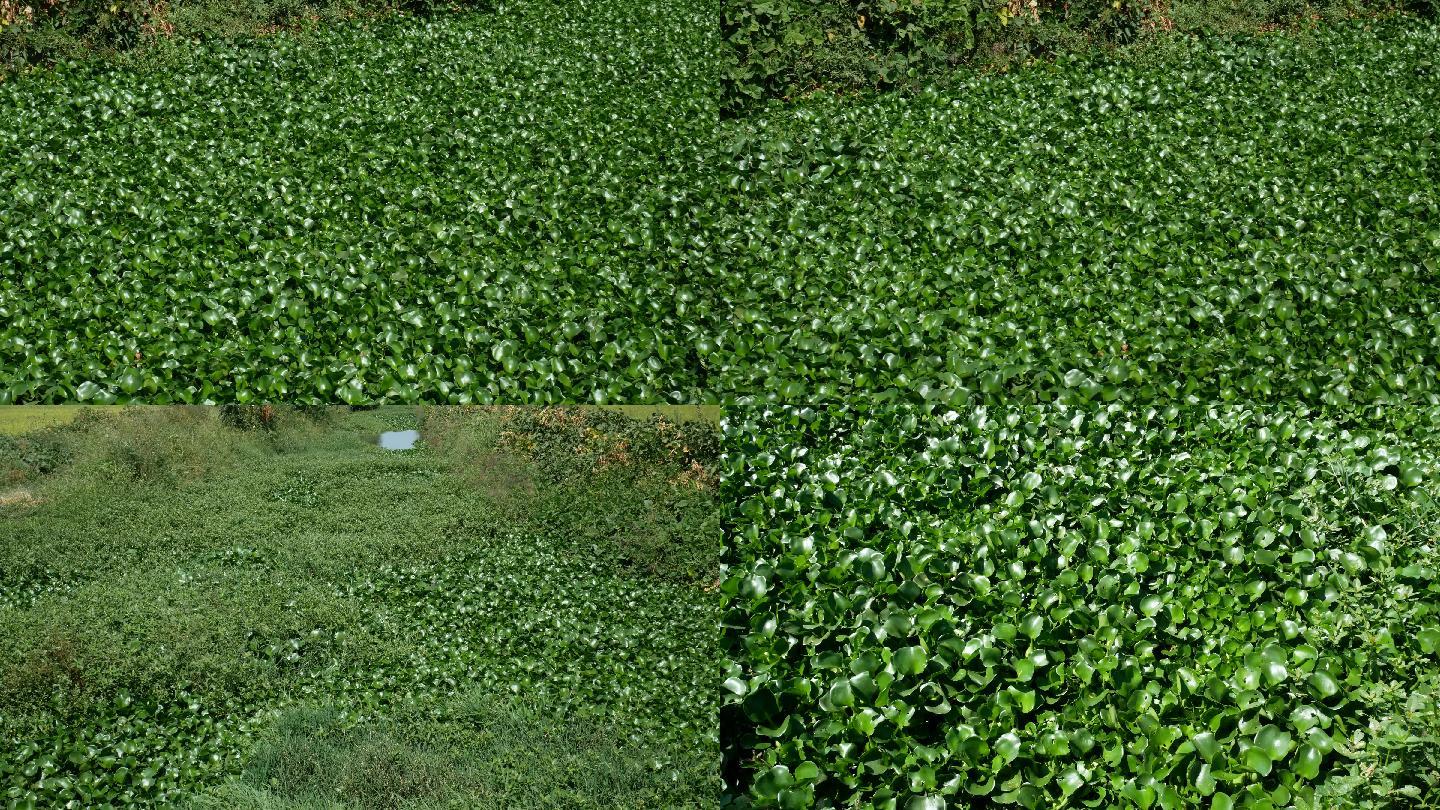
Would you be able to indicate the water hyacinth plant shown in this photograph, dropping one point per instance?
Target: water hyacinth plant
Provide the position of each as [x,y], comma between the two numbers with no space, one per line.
[1046,606]
[1240,220]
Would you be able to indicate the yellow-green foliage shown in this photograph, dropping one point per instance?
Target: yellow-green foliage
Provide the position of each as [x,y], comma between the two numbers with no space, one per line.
[18,419]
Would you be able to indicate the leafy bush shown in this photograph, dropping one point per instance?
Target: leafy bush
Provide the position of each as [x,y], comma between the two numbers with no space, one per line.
[1049,606]
[643,489]
[150,445]
[33,454]
[1395,762]
[271,418]
[780,47]
[41,33]
[565,443]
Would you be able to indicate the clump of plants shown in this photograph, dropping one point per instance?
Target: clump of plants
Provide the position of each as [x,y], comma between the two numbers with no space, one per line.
[789,48]
[40,34]
[31,455]
[643,488]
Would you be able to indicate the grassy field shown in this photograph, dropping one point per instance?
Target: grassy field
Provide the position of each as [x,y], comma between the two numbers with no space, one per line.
[262,609]
[17,419]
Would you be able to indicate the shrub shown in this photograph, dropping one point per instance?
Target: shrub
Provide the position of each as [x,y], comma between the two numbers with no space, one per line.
[272,418]
[157,445]
[39,32]
[643,488]
[780,47]
[45,31]
[33,454]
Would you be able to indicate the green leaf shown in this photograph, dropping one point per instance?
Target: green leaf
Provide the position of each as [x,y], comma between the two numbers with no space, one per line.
[909,661]
[1322,684]
[1429,639]
[1275,741]
[1206,745]
[1257,759]
[1007,747]
[1204,781]
[1032,625]
[865,721]
[870,564]
[1307,762]
[769,784]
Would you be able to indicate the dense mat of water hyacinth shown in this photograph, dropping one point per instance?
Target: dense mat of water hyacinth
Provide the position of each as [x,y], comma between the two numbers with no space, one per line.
[543,205]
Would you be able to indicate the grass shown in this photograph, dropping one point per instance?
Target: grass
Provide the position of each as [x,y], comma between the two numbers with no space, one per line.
[17,419]
[476,750]
[192,613]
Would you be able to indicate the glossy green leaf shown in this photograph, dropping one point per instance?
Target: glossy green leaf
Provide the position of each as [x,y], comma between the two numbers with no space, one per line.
[1206,744]
[1257,759]
[910,661]
[1274,741]
[1307,762]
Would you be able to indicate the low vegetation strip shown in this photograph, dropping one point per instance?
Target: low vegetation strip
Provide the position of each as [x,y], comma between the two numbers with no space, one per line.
[1045,606]
[795,47]
[259,608]
[149,32]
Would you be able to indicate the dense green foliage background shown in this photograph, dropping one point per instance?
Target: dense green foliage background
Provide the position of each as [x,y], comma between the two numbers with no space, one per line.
[1046,606]
[464,207]
[790,47]
[1156,523]
[286,616]
[1251,218]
